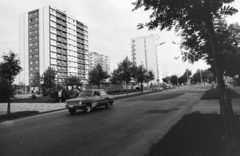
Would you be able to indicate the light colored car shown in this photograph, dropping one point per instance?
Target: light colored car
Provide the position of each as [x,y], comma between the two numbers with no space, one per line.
[89,99]
[164,85]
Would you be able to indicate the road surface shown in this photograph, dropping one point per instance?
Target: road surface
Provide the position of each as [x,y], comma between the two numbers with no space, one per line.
[128,128]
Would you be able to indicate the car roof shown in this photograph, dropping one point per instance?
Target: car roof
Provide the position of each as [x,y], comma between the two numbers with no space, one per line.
[93,89]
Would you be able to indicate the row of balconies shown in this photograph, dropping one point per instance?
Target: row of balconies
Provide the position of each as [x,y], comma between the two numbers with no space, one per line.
[59,27]
[58,15]
[62,57]
[79,35]
[61,68]
[80,31]
[62,63]
[61,22]
[62,51]
[80,41]
[81,46]
[60,39]
[62,45]
[59,33]
[62,75]
[80,56]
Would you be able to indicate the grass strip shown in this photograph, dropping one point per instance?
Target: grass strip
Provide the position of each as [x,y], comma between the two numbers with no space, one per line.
[17,115]
[194,135]
[213,94]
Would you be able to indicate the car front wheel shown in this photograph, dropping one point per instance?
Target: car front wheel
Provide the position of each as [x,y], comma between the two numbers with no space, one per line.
[72,111]
[108,105]
[87,108]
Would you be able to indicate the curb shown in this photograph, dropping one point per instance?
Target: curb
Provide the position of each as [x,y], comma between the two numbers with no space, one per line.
[115,98]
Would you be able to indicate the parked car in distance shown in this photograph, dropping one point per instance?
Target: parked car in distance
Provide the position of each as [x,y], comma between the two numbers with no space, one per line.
[170,86]
[164,85]
[89,99]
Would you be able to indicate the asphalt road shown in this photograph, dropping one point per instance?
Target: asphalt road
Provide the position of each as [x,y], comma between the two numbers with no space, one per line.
[128,128]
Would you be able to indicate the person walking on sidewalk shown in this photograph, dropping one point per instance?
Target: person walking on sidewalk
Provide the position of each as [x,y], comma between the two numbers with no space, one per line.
[234,84]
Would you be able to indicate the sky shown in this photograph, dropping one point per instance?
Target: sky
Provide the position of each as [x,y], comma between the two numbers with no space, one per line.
[111,25]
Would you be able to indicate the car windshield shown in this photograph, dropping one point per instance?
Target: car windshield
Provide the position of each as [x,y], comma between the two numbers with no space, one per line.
[85,94]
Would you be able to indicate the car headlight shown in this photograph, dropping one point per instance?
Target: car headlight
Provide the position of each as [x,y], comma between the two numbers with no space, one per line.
[80,102]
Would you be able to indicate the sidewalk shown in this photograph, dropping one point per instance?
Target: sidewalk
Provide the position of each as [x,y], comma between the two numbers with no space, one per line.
[213,106]
[48,107]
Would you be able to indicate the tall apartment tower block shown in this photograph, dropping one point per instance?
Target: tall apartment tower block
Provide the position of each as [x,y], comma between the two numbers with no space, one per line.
[51,38]
[146,51]
[96,58]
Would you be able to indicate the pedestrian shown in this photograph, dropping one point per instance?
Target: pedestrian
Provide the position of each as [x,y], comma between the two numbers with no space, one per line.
[234,84]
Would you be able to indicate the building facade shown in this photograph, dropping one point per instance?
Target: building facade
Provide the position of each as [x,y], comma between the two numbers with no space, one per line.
[145,50]
[51,38]
[96,58]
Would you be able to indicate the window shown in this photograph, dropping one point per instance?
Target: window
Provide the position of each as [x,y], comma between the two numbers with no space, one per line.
[31,56]
[36,49]
[36,62]
[30,50]
[30,38]
[36,68]
[53,36]
[30,44]
[36,56]
[31,68]
[53,49]
[31,62]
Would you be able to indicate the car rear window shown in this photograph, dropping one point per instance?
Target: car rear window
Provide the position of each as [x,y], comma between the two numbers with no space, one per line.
[85,94]
[103,93]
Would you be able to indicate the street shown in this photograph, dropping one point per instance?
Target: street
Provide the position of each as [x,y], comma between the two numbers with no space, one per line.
[128,128]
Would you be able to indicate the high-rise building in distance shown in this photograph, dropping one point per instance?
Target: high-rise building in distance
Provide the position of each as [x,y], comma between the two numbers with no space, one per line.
[96,58]
[146,51]
[52,38]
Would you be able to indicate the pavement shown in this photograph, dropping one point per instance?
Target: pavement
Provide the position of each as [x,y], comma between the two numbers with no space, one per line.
[204,106]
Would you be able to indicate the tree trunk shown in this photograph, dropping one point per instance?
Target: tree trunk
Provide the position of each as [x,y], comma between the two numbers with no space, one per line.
[9,107]
[225,99]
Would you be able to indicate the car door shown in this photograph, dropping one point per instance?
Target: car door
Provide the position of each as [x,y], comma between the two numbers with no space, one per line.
[104,97]
[97,99]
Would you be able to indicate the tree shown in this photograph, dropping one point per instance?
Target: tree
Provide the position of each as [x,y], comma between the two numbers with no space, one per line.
[174,80]
[167,79]
[49,79]
[97,75]
[196,22]
[9,68]
[185,77]
[150,76]
[73,81]
[125,71]
[115,77]
[141,74]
